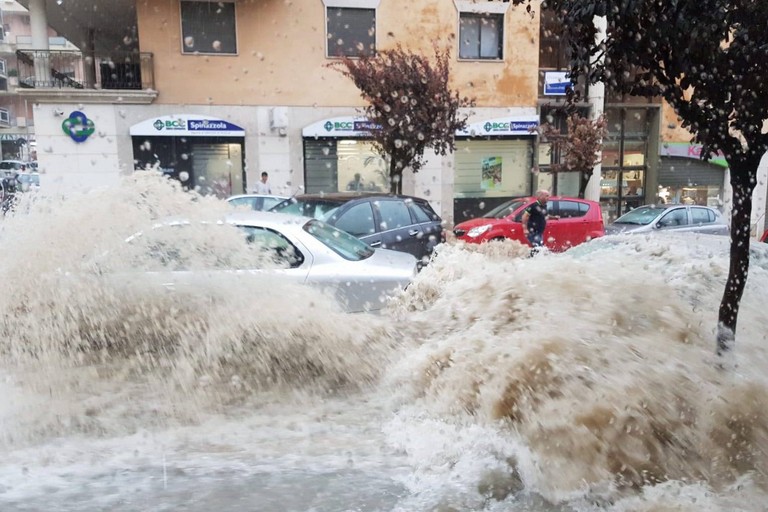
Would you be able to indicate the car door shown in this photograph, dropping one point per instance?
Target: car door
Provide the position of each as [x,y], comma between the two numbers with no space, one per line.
[571,227]
[704,220]
[358,220]
[674,219]
[431,225]
[554,238]
[396,227]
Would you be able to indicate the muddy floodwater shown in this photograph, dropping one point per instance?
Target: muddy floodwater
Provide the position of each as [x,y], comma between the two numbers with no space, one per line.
[582,381]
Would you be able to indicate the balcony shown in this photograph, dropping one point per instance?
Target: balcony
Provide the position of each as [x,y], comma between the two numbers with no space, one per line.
[56,75]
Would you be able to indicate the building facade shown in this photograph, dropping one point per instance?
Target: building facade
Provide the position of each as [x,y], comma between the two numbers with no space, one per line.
[212,93]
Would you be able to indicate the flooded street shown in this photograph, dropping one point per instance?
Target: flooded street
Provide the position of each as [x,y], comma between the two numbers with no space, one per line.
[580,381]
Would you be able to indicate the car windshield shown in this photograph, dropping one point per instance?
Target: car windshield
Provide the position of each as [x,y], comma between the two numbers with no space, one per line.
[340,242]
[641,216]
[314,208]
[504,209]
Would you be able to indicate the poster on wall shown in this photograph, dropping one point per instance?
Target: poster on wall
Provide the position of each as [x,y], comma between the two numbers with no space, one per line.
[491,173]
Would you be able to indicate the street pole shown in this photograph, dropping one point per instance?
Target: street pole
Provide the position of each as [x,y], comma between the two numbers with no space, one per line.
[596,99]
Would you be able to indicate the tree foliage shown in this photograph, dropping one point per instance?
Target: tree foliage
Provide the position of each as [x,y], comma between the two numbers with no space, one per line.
[410,105]
[579,148]
[706,59]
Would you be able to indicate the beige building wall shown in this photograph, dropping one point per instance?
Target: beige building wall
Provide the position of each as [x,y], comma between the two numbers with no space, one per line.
[281,55]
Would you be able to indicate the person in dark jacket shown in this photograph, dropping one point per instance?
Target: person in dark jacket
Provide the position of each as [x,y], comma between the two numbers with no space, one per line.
[535,220]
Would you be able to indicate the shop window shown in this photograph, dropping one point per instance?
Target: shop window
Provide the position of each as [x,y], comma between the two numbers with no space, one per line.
[208,27]
[481,36]
[351,31]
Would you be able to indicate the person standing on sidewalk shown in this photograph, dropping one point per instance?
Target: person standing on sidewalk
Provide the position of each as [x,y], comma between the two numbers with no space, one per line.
[535,221]
[262,187]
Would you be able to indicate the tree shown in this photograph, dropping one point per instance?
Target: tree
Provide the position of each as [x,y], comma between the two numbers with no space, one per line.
[411,106]
[578,148]
[706,59]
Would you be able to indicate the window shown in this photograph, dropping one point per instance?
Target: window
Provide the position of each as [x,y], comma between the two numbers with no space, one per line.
[677,217]
[394,214]
[358,220]
[208,27]
[702,216]
[351,31]
[480,36]
[275,246]
[5,117]
[3,67]
[568,209]
[419,212]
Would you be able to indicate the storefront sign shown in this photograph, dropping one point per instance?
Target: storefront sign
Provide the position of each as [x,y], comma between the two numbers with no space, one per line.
[502,126]
[340,127]
[187,125]
[78,126]
[687,150]
[556,83]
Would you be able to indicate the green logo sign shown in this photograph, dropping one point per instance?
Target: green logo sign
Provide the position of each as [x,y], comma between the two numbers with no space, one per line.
[78,126]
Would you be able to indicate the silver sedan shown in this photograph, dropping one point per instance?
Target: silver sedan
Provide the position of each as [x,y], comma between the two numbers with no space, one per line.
[278,246]
[676,218]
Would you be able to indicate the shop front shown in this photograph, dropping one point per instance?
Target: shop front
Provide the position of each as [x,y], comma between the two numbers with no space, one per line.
[625,160]
[202,152]
[493,162]
[686,179]
[339,156]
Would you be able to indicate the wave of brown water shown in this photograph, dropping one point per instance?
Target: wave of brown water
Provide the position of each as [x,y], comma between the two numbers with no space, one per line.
[582,381]
[598,363]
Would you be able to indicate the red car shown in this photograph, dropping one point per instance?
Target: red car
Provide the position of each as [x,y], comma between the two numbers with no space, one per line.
[580,220]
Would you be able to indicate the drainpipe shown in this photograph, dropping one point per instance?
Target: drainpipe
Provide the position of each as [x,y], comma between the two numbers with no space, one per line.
[596,101]
[38,20]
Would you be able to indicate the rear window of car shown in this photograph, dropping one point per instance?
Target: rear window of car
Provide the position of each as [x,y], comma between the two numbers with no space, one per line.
[570,209]
[394,214]
[340,242]
[702,215]
[421,212]
[358,220]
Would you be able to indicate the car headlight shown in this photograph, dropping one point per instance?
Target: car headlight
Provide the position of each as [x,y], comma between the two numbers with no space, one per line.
[477,231]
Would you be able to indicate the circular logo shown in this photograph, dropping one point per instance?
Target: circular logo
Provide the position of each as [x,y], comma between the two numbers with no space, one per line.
[158,125]
[328,126]
[78,126]
[488,126]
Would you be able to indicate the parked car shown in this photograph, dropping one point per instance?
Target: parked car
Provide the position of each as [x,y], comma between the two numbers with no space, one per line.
[297,249]
[670,217]
[28,181]
[580,220]
[257,202]
[397,222]
[12,167]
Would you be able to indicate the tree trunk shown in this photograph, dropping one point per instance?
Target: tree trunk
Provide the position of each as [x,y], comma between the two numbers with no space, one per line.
[743,174]
[395,175]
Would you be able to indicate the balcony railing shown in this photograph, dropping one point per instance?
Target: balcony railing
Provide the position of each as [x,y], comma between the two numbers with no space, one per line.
[66,69]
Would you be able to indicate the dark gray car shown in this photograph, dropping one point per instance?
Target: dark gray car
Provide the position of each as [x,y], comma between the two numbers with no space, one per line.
[397,222]
[670,218]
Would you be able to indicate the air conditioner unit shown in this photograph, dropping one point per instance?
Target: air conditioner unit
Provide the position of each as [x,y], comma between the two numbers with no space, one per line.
[278,118]
[21,122]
